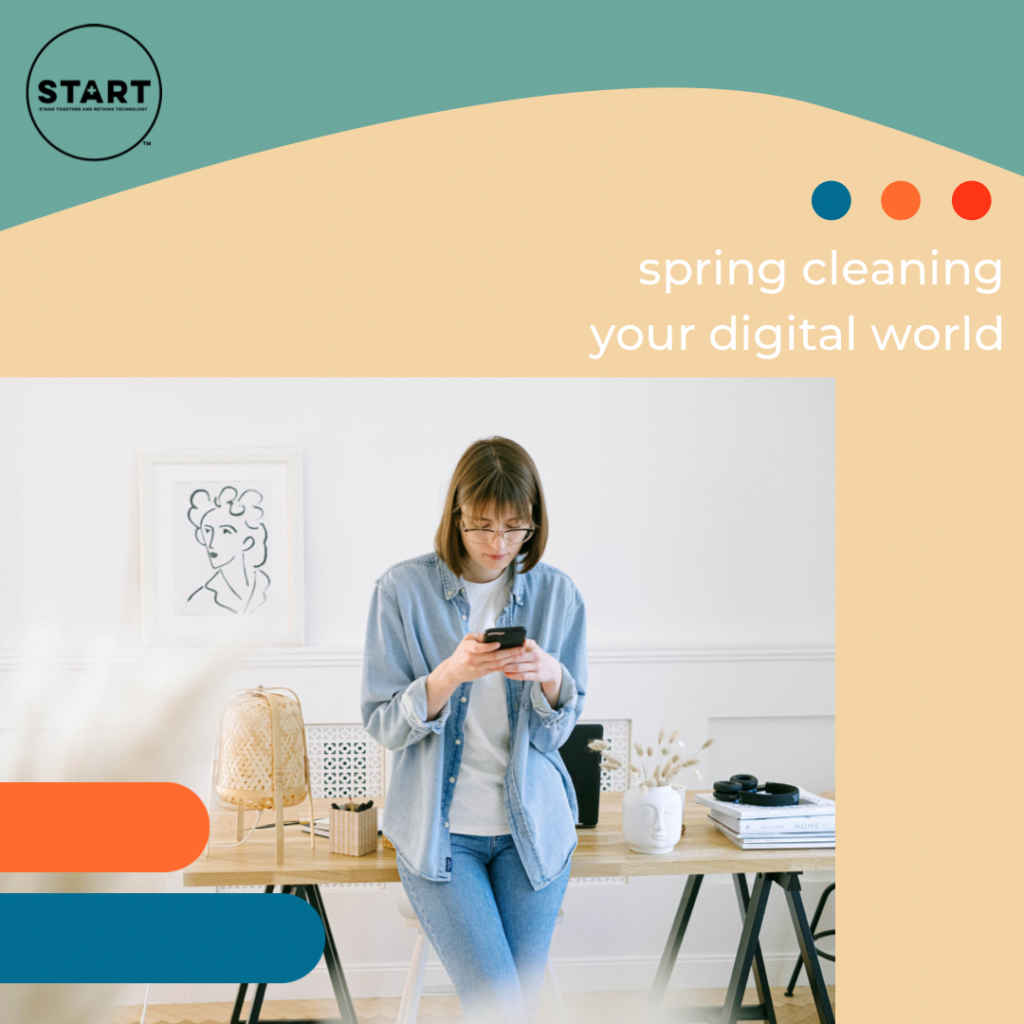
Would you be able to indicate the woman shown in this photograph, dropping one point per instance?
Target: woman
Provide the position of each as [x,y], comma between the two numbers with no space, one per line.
[480,807]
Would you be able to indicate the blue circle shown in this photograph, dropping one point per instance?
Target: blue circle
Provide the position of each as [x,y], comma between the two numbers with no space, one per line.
[831,200]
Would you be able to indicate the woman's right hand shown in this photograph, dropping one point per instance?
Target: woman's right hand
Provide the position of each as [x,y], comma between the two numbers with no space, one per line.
[472,659]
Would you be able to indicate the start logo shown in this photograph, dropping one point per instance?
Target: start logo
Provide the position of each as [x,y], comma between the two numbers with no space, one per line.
[94,92]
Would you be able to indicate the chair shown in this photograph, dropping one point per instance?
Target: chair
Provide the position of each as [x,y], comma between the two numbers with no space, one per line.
[413,991]
[815,935]
[410,1005]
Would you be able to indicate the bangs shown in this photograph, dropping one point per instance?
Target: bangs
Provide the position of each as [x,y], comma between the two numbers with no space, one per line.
[506,496]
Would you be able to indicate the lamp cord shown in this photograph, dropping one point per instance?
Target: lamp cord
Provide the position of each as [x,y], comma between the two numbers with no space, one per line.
[259,814]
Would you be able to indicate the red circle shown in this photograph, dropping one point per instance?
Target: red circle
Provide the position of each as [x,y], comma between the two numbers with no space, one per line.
[971,200]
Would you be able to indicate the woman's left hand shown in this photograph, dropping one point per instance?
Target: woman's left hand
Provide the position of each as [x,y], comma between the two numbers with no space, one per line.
[534,663]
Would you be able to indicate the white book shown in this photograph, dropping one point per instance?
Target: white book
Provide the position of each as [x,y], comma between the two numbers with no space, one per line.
[322,827]
[775,843]
[810,804]
[774,837]
[759,838]
[810,824]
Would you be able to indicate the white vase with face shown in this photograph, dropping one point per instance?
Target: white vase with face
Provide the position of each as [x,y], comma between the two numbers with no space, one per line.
[652,821]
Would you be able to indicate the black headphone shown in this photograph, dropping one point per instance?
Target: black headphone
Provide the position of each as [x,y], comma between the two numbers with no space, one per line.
[743,789]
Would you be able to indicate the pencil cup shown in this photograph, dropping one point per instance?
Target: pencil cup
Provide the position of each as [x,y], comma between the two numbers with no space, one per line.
[353,833]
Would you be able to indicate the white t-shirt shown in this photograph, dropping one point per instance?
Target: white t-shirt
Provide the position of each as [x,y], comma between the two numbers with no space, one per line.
[478,804]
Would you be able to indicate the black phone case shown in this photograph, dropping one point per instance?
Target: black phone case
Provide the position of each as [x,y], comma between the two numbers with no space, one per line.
[507,636]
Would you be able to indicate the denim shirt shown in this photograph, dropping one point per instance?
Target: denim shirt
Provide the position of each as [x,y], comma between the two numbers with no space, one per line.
[417,618]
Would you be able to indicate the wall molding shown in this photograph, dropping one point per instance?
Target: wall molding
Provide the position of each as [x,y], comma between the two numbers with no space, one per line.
[616,654]
[575,974]
[351,656]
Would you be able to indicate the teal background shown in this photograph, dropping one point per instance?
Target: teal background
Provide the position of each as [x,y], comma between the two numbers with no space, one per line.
[240,78]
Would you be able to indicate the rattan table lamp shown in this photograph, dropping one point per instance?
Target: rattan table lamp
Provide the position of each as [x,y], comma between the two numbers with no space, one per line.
[261,760]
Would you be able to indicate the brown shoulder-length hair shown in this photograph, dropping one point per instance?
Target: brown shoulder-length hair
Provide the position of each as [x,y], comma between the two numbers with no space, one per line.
[499,471]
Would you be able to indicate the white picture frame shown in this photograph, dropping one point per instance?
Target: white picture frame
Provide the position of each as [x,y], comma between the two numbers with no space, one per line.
[221,546]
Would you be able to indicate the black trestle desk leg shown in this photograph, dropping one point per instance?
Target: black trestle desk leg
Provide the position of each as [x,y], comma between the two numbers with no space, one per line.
[764,994]
[341,993]
[261,989]
[732,1011]
[257,1003]
[805,938]
[675,940]
[236,1013]
[829,889]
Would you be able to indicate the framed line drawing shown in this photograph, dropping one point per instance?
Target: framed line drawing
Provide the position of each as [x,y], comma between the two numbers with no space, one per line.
[221,545]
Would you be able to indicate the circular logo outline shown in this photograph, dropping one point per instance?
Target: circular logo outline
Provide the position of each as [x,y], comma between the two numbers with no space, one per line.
[28,86]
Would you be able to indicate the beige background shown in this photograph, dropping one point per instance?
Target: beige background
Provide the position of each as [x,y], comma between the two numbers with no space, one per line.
[485,241]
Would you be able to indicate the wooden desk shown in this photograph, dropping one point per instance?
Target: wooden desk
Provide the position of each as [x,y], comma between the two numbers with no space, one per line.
[601,852]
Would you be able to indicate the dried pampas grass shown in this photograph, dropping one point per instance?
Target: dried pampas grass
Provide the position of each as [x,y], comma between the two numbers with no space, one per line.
[654,770]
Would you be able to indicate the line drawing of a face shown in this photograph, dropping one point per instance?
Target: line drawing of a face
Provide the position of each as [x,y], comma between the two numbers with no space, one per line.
[224,543]
[230,526]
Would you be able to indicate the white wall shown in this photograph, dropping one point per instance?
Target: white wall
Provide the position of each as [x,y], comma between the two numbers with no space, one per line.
[686,510]
[696,517]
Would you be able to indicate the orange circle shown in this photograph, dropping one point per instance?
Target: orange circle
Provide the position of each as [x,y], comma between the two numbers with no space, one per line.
[901,200]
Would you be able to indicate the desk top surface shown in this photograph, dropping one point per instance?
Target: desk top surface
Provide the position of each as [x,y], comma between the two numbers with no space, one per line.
[602,851]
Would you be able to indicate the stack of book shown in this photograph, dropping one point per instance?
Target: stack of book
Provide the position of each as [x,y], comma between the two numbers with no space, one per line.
[810,823]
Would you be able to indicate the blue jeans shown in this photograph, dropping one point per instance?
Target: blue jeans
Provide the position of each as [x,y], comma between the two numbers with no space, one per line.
[490,927]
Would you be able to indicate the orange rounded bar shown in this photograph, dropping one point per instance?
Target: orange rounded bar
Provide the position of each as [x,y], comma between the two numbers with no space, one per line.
[100,826]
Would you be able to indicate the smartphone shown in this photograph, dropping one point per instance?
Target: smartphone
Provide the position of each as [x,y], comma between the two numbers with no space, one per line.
[507,636]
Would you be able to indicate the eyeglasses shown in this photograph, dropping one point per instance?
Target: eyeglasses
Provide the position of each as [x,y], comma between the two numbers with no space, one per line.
[517,536]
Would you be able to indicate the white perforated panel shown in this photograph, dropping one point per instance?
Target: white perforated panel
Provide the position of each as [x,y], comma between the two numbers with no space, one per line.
[344,760]
[616,732]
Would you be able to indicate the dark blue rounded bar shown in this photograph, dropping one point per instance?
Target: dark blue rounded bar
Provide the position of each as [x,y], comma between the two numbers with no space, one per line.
[129,937]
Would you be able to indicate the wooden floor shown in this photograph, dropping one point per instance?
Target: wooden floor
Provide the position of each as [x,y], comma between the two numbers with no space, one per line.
[581,1008]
